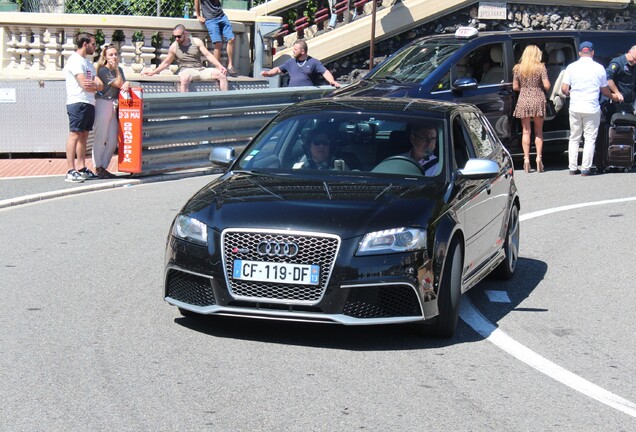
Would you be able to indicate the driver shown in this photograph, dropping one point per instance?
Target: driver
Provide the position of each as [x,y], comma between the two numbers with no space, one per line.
[423,144]
[319,155]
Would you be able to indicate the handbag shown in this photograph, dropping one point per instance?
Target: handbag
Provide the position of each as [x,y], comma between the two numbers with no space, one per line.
[550,110]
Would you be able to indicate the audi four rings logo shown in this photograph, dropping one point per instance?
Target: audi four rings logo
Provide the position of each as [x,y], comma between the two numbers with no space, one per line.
[280,249]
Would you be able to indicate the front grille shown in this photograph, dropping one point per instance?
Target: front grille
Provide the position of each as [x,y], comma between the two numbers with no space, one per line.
[317,249]
[386,301]
[189,288]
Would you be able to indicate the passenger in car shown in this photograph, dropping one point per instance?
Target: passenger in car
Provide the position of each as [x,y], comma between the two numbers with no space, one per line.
[423,145]
[319,154]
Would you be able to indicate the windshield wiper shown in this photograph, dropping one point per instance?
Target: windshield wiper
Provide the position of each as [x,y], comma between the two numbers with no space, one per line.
[390,79]
[254,172]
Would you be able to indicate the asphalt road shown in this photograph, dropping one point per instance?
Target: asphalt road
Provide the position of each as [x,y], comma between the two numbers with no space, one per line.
[87,342]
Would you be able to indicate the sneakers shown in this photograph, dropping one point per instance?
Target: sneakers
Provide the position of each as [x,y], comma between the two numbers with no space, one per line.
[87,174]
[232,72]
[575,172]
[586,173]
[74,177]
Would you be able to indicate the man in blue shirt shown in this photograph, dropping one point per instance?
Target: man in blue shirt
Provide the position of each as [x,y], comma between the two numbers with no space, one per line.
[302,69]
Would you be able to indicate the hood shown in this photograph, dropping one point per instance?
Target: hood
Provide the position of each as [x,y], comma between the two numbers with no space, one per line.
[378,89]
[345,207]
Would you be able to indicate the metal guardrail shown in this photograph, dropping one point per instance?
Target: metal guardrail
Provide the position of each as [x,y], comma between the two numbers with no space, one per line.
[180,129]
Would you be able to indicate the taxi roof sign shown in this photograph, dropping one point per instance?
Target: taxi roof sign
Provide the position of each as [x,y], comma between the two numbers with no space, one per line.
[466,33]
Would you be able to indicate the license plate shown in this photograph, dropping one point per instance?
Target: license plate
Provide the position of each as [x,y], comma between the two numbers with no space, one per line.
[260,271]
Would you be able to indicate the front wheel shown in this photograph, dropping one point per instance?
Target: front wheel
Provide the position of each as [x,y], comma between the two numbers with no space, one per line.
[507,267]
[449,296]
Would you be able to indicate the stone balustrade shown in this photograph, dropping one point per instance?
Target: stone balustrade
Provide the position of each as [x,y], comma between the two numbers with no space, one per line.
[36,45]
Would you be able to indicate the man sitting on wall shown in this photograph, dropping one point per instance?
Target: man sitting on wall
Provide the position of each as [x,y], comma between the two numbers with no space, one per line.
[188,50]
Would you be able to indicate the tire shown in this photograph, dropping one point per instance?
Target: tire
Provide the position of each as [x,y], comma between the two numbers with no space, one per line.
[449,296]
[506,269]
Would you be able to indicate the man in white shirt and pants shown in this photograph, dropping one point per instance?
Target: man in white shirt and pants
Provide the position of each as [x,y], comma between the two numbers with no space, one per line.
[582,81]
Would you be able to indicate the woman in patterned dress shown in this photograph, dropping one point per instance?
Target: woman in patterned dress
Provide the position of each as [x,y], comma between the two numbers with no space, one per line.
[530,79]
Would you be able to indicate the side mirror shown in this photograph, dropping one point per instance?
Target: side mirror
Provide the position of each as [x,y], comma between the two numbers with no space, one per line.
[464,83]
[476,169]
[222,155]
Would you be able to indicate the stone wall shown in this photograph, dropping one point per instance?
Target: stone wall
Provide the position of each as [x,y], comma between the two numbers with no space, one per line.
[520,17]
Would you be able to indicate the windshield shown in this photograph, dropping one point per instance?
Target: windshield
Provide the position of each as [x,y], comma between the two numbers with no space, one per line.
[415,63]
[349,143]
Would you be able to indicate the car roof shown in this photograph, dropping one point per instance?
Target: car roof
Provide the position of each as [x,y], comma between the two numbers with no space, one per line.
[380,104]
[515,34]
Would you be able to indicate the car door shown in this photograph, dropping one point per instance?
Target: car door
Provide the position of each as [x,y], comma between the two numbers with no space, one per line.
[483,202]
[558,52]
[490,66]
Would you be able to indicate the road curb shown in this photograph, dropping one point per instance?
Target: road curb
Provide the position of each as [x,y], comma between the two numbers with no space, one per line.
[26,199]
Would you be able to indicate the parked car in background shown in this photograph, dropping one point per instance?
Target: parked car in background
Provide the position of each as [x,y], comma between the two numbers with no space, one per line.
[476,68]
[363,238]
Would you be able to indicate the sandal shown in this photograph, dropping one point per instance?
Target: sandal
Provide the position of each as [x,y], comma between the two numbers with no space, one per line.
[231,72]
[526,165]
[107,174]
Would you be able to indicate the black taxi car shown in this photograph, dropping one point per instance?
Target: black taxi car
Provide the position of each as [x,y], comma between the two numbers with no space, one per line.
[365,235]
[476,67]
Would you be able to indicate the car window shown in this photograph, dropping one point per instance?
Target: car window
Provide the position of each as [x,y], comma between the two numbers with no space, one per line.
[486,64]
[557,54]
[444,84]
[480,134]
[461,149]
[351,143]
[489,63]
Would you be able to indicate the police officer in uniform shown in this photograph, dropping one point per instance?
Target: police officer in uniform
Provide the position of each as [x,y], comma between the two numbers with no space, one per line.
[620,76]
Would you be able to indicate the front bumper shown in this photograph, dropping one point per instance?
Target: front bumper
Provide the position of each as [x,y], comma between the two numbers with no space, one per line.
[368,290]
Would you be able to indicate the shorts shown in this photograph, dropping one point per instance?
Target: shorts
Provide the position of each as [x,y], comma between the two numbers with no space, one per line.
[219,28]
[81,116]
[201,73]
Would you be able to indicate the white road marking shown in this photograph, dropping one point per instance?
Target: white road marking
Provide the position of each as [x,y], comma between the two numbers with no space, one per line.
[481,325]
[572,207]
[498,296]
[490,332]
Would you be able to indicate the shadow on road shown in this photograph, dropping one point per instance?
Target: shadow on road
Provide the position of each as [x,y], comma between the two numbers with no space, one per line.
[352,338]
[529,274]
[373,338]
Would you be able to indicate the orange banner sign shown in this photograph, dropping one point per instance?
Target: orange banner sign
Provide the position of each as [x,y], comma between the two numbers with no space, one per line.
[130,130]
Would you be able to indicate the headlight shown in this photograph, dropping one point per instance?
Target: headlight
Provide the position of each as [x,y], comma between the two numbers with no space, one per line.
[393,240]
[190,229]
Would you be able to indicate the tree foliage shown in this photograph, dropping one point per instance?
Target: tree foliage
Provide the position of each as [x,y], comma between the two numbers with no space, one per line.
[167,8]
